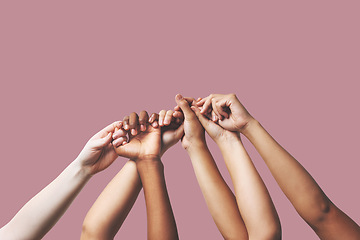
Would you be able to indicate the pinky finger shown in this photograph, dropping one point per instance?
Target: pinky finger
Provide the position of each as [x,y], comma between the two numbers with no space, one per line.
[206,106]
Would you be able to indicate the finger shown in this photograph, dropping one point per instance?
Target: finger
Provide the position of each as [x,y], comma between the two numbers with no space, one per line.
[153,117]
[215,110]
[221,110]
[214,118]
[133,123]
[119,141]
[178,115]
[205,122]
[119,133]
[162,114]
[184,105]
[201,101]
[221,106]
[108,129]
[179,132]
[177,108]
[143,119]
[126,123]
[155,122]
[102,142]
[190,100]
[168,117]
[206,105]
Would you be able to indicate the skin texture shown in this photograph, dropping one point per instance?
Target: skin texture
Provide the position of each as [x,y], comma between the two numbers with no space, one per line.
[42,212]
[219,198]
[260,220]
[145,149]
[109,211]
[327,220]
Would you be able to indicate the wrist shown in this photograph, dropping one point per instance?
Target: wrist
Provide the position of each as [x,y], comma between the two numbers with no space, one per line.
[249,126]
[227,137]
[80,171]
[148,163]
[147,158]
[196,147]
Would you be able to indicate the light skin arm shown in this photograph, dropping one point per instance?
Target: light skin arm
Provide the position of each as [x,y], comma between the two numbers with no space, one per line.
[219,198]
[145,149]
[42,212]
[253,199]
[328,221]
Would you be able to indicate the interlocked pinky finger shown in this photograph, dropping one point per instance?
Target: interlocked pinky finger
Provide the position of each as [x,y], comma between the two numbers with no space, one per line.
[206,106]
[143,119]
[126,123]
[119,141]
[168,117]
[154,120]
[162,115]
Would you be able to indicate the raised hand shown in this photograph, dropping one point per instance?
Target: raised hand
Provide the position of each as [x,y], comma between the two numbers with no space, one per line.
[194,131]
[145,147]
[227,110]
[144,141]
[98,152]
[169,121]
[172,128]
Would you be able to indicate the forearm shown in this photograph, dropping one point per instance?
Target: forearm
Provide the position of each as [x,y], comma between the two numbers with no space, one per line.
[297,184]
[253,199]
[109,211]
[39,215]
[219,198]
[160,218]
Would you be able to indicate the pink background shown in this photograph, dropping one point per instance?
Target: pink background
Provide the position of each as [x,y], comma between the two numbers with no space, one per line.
[69,68]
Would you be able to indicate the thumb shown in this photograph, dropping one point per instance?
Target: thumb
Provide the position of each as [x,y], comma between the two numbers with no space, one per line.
[210,127]
[203,120]
[179,132]
[184,105]
[102,142]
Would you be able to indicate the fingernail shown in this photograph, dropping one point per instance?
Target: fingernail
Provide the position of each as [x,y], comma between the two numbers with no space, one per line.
[142,127]
[179,97]
[133,131]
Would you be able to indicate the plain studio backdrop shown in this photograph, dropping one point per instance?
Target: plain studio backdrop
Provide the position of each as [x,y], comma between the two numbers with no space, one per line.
[69,68]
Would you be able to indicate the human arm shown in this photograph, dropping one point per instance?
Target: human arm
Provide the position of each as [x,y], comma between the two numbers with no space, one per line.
[145,149]
[253,199]
[111,208]
[41,213]
[328,221]
[219,198]
[107,214]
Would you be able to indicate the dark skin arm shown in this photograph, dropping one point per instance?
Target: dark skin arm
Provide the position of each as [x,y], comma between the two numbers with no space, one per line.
[144,148]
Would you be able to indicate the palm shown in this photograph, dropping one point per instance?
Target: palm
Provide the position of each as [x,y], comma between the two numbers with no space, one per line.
[104,156]
[146,143]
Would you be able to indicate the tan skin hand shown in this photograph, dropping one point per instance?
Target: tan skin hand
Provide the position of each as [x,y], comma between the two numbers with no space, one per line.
[193,129]
[215,131]
[227,110]
[172,128]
